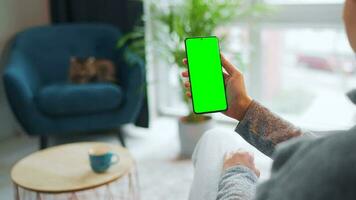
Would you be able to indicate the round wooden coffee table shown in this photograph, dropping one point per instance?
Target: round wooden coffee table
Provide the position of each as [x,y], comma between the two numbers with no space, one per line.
[63,172]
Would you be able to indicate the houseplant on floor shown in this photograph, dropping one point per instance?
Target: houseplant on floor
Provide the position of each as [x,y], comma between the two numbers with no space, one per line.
[175,21]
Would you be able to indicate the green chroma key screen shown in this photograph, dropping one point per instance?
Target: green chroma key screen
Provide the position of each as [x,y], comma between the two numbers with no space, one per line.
[205,74]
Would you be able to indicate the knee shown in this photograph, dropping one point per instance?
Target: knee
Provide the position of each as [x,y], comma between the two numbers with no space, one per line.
[207,141]
[215,140]
[217,136]
[212,134]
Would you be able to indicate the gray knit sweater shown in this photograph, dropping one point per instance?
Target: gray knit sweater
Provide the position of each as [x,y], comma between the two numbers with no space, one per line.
[304,167]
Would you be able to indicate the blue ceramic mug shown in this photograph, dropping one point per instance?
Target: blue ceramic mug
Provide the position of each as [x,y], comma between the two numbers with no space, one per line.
[101,158]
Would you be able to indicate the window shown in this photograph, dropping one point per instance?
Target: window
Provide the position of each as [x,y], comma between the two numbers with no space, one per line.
[297,62]
[305,75]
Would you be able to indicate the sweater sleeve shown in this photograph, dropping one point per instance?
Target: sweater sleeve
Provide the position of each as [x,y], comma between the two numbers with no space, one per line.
[264,129]
[237,183]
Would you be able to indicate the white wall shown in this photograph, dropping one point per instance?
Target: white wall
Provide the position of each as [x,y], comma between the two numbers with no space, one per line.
[15,16]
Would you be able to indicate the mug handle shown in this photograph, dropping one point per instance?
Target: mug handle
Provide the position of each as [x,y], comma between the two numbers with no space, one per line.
[114,159]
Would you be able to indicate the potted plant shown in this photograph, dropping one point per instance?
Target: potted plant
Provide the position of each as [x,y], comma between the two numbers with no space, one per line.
[177,21]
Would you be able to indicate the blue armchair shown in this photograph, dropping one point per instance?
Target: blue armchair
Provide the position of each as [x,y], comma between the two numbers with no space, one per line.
[45,103]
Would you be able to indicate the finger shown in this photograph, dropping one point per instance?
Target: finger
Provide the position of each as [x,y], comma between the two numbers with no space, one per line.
[230,68]
[187,84]
[226,155]
[251,159]
[185,61]
[188,94]
[185,74]
[257,171]
[226,76]
[252,156]
[229,154]
[241,151]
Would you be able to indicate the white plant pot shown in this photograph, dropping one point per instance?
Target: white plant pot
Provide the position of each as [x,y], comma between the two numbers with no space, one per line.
[190,133]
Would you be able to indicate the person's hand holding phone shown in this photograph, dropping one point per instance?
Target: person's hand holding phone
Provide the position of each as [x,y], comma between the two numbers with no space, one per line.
[237,97]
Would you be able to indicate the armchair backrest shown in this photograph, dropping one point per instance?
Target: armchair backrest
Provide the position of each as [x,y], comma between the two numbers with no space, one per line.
[49,48]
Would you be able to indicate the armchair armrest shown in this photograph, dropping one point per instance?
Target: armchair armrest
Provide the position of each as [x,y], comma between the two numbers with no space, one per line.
[21,82]
[133,82]
[21,75]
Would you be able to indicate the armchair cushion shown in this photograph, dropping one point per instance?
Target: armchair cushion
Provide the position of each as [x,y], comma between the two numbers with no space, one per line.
[79,99]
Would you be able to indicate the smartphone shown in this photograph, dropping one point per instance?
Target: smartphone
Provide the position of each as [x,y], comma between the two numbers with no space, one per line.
[205,74]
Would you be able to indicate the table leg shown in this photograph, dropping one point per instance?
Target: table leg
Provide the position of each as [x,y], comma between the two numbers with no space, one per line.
[16,192]
[74,196]
[131,193]
[38,196]
[137,182]
[111,196]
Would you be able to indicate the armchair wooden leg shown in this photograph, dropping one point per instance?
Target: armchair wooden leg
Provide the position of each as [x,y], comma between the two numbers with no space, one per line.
[43,141]
[121,137]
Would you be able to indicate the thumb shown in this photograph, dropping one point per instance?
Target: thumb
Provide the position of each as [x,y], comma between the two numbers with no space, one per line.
[257,172]
[228,66]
